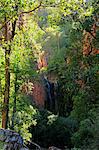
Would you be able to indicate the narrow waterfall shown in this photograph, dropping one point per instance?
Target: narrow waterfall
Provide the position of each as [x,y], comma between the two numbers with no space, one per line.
[50,94]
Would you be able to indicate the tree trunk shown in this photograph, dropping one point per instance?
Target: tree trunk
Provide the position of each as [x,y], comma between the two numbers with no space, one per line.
[0,86]
[9,35]
[14,103]
[7,80]
[7,89]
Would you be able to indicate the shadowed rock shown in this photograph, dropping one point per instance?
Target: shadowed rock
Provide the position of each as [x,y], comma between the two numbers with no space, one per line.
[12,140]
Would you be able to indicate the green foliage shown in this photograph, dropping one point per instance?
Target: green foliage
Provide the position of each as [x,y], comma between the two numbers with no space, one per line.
[78,100]
[52,130]
[81,103]
[57,28]
[87,135]
[1,145]
[24,119]
[95,41]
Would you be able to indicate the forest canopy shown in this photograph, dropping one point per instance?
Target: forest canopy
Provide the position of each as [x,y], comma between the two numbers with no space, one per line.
[49,72]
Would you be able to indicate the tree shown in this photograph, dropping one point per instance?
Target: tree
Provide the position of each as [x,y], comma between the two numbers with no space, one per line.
[9,26]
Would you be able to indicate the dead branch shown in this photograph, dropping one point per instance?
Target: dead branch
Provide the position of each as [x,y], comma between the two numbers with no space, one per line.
[39,148]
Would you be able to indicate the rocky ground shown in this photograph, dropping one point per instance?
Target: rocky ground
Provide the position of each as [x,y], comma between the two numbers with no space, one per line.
[13,141]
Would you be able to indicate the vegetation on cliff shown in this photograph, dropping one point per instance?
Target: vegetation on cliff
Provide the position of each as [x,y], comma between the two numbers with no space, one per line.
[49,75]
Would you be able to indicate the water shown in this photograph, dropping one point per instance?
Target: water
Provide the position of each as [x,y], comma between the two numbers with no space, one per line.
[50,97]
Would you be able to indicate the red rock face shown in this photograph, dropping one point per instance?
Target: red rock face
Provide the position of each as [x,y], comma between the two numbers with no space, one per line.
[38,91]
[42,61]
[39,94]
[88,48]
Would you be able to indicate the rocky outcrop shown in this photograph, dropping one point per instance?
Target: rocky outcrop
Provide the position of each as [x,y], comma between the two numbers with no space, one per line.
[88,47]
[38,94]
[42,60]
[12,140]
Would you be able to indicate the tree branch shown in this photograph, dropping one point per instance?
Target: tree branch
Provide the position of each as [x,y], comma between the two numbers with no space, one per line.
[20,14]
[35,144]
[91,34]
[54,5]
[25,12]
